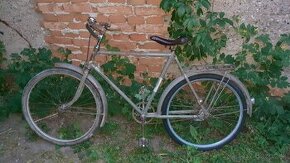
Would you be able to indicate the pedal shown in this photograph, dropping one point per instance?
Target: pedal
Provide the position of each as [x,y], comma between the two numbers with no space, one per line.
[143,142]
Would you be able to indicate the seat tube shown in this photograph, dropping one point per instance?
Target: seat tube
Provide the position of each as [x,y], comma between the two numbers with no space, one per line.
[160,79]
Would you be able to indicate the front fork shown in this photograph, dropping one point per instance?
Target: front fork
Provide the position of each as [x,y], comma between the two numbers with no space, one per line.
[78,92]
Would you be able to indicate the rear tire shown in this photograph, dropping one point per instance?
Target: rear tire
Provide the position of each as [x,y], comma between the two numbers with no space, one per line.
[223,121]
[43,97]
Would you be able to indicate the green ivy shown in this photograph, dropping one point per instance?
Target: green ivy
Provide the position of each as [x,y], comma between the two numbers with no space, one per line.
[21,68]
[259,64]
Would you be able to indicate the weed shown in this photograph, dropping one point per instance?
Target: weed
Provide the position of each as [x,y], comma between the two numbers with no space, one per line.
[110,128]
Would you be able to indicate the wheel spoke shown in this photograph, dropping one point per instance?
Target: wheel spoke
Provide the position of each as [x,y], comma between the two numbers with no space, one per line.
[49,116]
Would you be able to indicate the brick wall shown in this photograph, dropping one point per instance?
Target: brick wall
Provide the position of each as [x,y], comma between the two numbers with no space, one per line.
[138,19]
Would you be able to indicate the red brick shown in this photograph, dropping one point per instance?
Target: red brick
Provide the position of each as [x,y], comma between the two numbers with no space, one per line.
[49,39]
[65,18]
[61,1]
[50,7]
[123,46]
[141,68]
[45,8]
[155,68]
[56,33]
[76,26]
[44,1]
[102,18]
[101,59]
[148,11]
[116,18]
[54,25]
[76,63]
[151,61]
[136,2]
[72,17]
[80,42]
[124,27]
[82,57]
[137,37]
[151,28]
[78,1]
[77,7]
[115,10]
[63,40]
[81,17]
[49,18]
[155,20]
[58,40]
[98,1]
[84,49]
[151,46]
[117,1]
[153,2]
[123,37]
[135,20]
[84,34]
[72,35]
[153,74]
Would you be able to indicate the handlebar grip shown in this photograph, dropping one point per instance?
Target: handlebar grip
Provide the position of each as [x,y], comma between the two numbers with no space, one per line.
[90,29]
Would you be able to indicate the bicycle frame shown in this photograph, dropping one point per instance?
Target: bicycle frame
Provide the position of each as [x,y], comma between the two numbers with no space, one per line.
[170,57]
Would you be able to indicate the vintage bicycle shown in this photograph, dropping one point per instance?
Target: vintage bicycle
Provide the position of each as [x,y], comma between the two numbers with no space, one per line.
[206,109]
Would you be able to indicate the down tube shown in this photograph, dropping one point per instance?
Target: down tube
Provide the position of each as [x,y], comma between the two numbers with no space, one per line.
[117,89]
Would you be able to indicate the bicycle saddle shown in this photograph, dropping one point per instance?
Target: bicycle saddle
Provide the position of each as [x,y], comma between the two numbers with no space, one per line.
[169,42]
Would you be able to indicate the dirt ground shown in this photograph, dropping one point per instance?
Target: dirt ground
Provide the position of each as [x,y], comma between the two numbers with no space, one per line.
[15,145]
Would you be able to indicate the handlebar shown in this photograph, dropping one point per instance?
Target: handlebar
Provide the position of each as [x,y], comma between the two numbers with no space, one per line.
[95,28]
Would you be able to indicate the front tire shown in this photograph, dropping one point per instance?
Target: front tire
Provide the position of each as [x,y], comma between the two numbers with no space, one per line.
[42,101]
[208,130]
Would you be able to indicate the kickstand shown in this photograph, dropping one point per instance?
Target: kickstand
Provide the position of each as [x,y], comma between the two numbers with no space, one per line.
[143,142]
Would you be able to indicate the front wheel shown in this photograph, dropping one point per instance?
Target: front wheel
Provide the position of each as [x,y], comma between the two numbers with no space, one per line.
[212,125]
[43,104]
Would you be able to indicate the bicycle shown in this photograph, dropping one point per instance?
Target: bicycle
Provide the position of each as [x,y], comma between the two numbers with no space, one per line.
[65,105]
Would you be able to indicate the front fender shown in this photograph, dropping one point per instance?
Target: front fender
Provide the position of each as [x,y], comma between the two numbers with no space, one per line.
[94,82]
[249,100]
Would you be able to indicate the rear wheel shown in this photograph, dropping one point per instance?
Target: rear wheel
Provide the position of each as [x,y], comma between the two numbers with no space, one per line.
[210,127]
[43,103]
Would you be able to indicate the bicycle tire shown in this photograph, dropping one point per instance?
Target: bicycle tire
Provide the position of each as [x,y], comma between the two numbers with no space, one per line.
[211,132]
[43,97]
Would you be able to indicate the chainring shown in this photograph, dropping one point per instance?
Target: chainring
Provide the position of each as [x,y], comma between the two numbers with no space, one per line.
[137,116]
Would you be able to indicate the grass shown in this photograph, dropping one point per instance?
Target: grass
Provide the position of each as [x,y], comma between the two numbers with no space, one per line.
[117,142]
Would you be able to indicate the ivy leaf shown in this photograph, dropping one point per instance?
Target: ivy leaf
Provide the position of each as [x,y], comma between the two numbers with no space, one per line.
[229,59]
[189,23]
[221,14]
[228,21]
[205,3]
[264,38]
[181,10]
[167,5]
[199,12]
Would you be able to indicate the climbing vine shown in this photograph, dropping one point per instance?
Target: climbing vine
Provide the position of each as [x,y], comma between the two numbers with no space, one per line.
[259,64]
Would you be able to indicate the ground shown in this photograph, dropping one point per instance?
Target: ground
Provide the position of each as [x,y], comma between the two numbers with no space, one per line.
[118,142]
[120,137]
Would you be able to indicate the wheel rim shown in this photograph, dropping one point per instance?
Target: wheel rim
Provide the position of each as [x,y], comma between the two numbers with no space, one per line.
[200,131]
[62,126]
